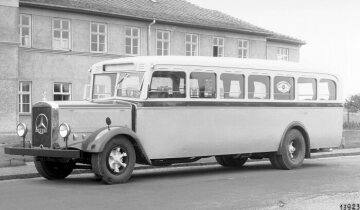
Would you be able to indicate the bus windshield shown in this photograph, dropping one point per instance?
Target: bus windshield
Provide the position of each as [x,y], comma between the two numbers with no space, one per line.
[122,84]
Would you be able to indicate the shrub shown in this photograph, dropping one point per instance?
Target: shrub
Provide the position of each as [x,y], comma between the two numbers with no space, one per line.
[351,125]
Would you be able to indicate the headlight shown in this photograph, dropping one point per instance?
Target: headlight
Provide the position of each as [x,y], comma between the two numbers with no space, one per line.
[64,130]
[21,129]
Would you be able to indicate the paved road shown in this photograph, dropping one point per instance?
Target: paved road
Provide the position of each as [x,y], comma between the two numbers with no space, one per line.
[319,184]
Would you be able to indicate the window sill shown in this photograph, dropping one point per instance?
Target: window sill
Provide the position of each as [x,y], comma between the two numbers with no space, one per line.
[24,114]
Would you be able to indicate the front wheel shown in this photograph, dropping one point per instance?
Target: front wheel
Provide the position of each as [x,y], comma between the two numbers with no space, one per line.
[53,169]
[116,162]
[292,151]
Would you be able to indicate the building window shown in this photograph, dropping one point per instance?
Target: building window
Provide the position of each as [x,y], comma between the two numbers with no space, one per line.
[62,91]
[24,97]
[132,41]
[283,54]
[162,43]
[191,45]
[218,47]
[98,37]
[25,30]
[61,34]
[243,48]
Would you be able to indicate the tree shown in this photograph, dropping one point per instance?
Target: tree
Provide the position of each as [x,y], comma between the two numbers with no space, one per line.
[352,104]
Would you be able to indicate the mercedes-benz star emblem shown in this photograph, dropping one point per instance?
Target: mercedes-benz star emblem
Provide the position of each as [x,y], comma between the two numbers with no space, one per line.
[41,124]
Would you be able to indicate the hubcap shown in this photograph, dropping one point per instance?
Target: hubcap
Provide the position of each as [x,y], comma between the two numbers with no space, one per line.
[117,159]
[292,149]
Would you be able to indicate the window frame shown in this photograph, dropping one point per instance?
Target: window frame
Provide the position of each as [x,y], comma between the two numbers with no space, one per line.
[292,89]
[243,49]
[132,37]
[98,34]
[169,72]
[283,53]
[191,43]
[162,40]
[315,92]
[21,93]
[21,26]
[268,96]
[61,91]
[61,30]
[242,86]
[325,80]
[218,38]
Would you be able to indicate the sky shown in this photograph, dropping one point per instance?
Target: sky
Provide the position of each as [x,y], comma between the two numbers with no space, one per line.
[330,28]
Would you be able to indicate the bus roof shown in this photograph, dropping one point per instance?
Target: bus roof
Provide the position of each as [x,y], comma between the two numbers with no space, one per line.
[258,64]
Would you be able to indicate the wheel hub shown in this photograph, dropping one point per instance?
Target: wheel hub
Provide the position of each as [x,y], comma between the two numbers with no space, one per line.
[116,159]
[292,149]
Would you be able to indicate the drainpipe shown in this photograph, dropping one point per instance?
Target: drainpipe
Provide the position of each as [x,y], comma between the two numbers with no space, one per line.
[149,35]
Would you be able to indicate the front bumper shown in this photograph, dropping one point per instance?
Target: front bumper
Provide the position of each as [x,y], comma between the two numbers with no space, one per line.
[43,152]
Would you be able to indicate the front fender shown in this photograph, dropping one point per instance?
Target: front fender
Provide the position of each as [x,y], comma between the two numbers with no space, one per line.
[98,139]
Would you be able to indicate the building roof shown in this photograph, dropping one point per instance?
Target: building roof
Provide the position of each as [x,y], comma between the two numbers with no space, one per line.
[175,12]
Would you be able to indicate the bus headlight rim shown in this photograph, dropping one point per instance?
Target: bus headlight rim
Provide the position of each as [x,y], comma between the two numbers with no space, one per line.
[64,130]
[21,129]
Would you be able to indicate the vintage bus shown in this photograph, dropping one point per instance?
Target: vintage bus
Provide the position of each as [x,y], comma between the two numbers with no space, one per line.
[166,110]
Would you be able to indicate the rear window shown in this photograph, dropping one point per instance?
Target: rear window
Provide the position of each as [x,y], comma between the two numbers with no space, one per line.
[327,89]
[307,88]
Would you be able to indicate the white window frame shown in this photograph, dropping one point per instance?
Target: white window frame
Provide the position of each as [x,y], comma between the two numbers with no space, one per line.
[216,41]
[132,38]
[242,49]
[61,90]
[283,54]
[21,93]
[98,34]
[61,30]
[21,26]
[163,41]
[192,43]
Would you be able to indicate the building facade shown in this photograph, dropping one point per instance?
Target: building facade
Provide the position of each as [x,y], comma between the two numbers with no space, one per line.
[47,46]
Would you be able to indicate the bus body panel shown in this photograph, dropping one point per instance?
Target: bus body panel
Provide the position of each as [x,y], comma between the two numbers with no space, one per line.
[173,132]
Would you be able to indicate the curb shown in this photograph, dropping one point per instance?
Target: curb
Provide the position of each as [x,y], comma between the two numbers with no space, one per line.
[86,171]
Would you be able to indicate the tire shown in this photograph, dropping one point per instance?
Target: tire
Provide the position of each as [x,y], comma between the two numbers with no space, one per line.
[292,151]
[53,169]
[116,162]
[230,161]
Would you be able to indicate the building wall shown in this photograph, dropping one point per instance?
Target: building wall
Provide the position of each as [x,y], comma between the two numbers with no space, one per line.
[44,66]
[9,39]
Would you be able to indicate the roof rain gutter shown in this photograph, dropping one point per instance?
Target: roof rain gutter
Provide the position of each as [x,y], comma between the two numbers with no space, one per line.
[149,36]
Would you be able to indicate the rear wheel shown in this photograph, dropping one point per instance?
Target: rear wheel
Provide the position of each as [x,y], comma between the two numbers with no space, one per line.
[230,160]
[116,162]
[53,169]
[292,151]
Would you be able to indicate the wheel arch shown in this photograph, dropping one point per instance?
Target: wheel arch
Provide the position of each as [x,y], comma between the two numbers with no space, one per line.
[97,141]
[300,127]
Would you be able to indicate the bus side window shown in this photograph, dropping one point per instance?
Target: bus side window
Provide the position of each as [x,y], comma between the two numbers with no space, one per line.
[259,87]
[284,88]
[202,85]
[307,88]
[232,86]
[327,89]
[167,84]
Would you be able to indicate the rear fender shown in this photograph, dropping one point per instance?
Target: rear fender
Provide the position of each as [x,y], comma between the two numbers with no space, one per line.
[299,126]
[98,139]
